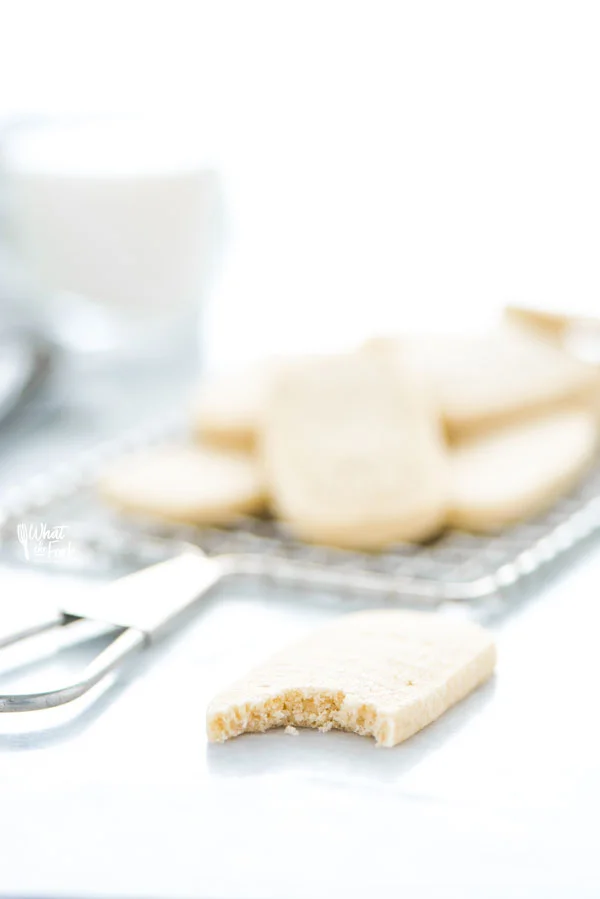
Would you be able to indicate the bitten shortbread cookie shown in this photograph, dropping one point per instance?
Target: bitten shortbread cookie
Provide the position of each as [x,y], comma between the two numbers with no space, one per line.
[353,452]
[385,674]
[520,470]
[188,484]
[482,381]
[228,409]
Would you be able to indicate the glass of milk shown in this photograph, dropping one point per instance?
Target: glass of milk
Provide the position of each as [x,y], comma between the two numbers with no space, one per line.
[118,225]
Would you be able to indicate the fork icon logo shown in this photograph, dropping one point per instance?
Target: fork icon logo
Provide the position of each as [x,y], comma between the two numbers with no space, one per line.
[23,538]
[44,543]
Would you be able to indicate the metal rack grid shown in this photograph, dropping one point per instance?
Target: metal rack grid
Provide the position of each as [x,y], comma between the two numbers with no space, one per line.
[457,567]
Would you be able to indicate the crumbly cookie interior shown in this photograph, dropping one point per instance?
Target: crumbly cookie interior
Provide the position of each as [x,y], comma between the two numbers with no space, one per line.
[320,709]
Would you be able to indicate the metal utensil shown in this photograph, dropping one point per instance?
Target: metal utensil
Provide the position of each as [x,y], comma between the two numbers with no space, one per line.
[143,605]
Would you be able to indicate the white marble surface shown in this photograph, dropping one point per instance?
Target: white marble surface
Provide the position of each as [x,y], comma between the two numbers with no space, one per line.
[122,796]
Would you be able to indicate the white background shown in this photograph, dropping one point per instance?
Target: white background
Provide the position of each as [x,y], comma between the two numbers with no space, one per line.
[385,162]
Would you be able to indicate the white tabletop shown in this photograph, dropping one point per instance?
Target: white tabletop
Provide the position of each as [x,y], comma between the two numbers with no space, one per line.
[120,794]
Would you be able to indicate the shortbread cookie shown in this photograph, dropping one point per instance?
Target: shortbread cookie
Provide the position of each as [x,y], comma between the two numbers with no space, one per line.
[578,335]
[520,470]
[385,674]
[228,408]
[551,325]
[353,453]
[189,484]
[482,381]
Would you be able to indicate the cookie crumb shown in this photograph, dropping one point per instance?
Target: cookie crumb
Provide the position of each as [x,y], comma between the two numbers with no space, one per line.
[326,727]
[291,730]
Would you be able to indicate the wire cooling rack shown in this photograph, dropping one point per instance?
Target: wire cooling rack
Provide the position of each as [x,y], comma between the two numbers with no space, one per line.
[58,520]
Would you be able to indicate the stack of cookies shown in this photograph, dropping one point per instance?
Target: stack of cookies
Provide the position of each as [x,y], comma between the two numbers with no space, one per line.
[392,442]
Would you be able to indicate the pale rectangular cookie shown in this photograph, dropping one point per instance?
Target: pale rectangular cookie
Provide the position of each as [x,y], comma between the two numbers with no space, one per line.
[195,484]
[385,674]
[353,452]
[227,409]
[547,323]
[482,381]
[518,471]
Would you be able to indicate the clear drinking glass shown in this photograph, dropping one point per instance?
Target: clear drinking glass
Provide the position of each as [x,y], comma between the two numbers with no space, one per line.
[118,225]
